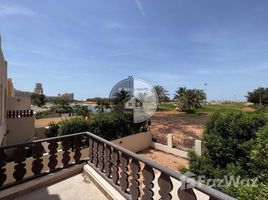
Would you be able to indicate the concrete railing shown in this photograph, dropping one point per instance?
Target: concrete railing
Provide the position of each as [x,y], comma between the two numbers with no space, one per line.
[124,170]
[19,113]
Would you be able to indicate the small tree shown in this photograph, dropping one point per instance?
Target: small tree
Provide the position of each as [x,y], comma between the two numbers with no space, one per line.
[258,96]
[38,99]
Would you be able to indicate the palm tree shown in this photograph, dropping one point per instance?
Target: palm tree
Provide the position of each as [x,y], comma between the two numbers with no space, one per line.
[161,92]
[189,99]
[121,97]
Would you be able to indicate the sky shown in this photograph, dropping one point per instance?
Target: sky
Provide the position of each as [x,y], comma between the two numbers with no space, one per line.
[87,46]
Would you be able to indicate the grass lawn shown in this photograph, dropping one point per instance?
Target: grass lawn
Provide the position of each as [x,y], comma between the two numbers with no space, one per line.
[167,106]
[210,109]
[225,108]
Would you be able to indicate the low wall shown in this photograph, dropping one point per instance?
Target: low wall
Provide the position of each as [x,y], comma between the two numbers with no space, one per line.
[18,103]
[167,149]
[141,141]
[178,152]
[135,143]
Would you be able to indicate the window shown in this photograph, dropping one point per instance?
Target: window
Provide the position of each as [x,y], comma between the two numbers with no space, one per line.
[129,104]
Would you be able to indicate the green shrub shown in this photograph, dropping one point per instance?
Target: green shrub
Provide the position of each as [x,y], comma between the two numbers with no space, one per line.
[105,125]
[228,138]
[52,130]
[259,155]
[110,127]
[234,145]
[253,193]
[73,125]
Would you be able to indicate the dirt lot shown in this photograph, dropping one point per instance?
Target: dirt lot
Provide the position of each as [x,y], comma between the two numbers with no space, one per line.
[167,160]
[185,128]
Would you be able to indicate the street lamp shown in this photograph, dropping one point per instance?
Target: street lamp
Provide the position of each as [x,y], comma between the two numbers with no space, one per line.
[205,84]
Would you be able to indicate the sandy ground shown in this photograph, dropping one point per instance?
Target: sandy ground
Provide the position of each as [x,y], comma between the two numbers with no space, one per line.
[89,103]
[167,160]
[185,128]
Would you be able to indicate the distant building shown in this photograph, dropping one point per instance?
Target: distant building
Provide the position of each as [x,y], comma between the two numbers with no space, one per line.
[67,96]
[19,93]
[38,88]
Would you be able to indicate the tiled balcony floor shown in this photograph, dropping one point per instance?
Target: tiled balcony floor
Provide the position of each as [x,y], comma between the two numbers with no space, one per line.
[78,187]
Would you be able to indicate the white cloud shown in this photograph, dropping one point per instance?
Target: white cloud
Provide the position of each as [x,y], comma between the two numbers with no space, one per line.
[15,10]
[140,7]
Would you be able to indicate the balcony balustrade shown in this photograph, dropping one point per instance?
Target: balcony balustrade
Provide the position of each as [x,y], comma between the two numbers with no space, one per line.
[133,176]
[19,113]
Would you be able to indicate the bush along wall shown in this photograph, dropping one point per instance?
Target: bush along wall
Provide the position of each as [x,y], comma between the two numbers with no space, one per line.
[105,125]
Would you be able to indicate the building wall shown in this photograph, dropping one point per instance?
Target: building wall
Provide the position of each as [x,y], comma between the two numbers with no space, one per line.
[3,94]
[19,93]
[18,103]
[19,130]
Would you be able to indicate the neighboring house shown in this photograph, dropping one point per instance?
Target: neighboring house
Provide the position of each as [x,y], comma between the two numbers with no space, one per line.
[20,120]
[133,103]
[3,96]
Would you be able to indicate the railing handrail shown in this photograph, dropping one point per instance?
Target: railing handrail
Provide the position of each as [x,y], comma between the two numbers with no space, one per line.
[197,185]
[176,175]
[43,140]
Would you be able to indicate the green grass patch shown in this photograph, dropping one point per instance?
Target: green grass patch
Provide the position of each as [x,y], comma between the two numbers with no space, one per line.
[223,108]
[167,106]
